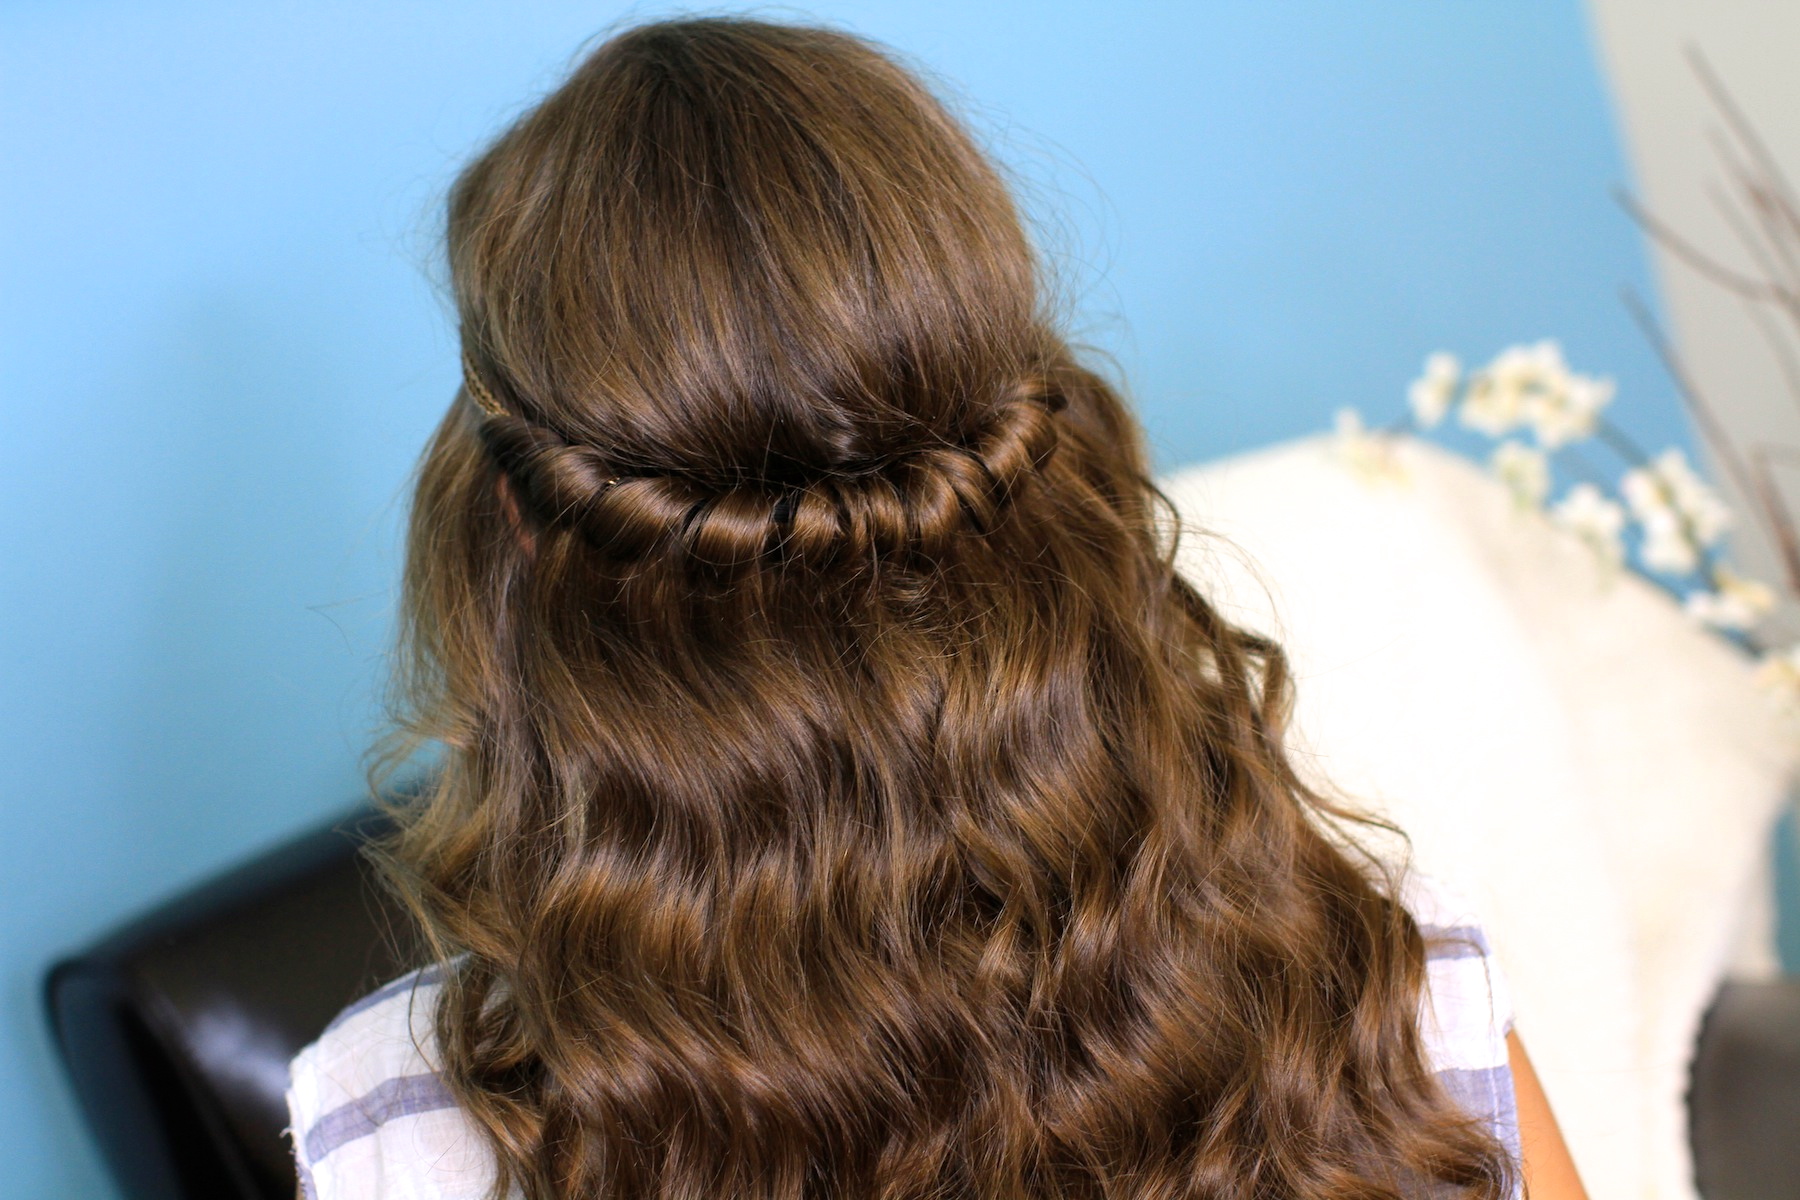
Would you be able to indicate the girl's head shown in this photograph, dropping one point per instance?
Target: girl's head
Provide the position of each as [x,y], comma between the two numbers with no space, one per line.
[843,793]
[757,275]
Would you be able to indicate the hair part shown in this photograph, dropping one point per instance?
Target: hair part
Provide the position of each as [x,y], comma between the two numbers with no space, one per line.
[843,794]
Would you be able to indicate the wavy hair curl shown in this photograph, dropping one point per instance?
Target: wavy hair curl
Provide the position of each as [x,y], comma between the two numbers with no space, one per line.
[842,795]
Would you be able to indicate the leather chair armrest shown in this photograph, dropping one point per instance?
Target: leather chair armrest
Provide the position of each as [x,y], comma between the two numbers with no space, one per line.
[1744,1094]
[177,1028]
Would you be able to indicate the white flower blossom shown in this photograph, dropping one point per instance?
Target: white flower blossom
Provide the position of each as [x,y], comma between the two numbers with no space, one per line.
[1680,514]
[1525,472]
[1666,546]
[1431,393]
[1368,453]
[1643,490]
[1563,414]
[1492,405]
[1588,514]
[1707,515]
[1779,671]
[1530,387]
[1738,604]
[1496,400]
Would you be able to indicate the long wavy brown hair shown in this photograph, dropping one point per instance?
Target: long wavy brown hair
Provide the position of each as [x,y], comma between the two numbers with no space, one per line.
[842,796]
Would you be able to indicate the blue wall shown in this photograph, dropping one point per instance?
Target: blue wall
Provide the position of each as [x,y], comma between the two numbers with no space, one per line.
[220,347]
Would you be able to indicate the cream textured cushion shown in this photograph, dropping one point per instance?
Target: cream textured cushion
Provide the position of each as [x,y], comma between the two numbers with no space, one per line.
[1597,774]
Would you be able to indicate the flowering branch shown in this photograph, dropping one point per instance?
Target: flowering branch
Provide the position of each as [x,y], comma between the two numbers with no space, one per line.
[1673,520]
[1538,410]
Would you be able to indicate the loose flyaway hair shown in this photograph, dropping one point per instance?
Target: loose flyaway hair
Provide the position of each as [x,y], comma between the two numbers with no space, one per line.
[842,796]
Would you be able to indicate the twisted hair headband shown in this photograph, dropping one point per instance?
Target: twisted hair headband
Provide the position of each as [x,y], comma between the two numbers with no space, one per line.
[490,404]
[918,500]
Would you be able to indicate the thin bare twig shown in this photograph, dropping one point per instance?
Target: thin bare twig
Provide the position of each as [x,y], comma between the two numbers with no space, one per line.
[1745,131]
[1735,281]
[1786,454]
[1781,522]
[1779,294]
[1776,225]
[1778,348]
[1765,206]
[1710,426]
[1622,443]
[1726,206]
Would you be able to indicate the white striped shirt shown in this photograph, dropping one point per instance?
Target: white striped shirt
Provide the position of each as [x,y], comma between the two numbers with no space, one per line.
[371,1119]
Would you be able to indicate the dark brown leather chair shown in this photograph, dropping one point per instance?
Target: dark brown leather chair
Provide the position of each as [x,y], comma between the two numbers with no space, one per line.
[177,1030]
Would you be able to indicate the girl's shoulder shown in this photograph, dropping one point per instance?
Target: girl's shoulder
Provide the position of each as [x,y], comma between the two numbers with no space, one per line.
[1466,1010]
[369,1113]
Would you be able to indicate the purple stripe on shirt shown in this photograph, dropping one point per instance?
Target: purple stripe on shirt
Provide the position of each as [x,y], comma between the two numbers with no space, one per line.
[1453,941]
[403,1096]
